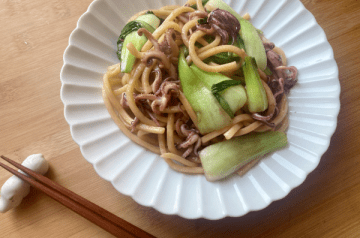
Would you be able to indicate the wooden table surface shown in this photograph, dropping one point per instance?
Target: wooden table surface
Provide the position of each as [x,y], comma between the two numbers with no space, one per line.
[33,37]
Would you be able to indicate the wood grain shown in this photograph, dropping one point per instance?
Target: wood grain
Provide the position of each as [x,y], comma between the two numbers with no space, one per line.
[33,37]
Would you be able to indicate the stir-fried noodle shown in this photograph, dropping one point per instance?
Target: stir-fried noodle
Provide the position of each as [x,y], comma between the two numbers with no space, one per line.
[149,106]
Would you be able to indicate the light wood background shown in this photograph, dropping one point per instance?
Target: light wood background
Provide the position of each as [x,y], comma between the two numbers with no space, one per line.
[33,37]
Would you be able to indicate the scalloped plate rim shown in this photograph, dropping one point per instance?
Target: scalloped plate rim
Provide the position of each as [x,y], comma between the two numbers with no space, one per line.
[176,212]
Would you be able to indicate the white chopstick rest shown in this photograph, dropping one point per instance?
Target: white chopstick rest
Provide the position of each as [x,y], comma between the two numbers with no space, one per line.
[15,189]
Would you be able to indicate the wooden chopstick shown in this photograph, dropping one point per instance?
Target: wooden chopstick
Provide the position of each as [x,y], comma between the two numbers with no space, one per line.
[99,216]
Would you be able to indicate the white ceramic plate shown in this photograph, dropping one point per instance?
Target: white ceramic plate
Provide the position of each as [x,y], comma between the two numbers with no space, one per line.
[314,107]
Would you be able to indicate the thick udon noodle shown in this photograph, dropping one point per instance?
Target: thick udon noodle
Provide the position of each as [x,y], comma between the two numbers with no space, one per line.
[159,132]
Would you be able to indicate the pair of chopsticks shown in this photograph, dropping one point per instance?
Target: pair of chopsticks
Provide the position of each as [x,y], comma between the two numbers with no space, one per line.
[99,216]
